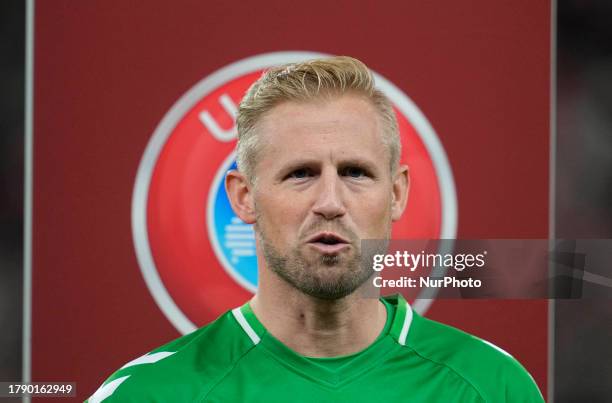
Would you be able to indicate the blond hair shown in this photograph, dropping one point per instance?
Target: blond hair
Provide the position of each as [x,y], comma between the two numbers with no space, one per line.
[305,81]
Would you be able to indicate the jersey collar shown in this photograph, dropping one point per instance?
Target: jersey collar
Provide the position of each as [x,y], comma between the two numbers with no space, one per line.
[356,364]
[400,326]
[402,320]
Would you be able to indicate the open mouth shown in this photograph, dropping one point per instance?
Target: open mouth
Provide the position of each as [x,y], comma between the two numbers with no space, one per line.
[328,242]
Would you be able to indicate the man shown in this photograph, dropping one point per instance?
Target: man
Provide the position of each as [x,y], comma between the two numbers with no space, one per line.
[318,170]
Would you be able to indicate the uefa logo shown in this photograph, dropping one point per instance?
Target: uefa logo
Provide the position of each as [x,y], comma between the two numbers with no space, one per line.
[197,257]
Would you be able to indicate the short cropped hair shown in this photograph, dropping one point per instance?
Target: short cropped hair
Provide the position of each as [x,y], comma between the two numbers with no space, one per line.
[309,80]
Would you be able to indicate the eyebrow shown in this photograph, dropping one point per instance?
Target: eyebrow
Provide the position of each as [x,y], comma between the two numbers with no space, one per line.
[360,163]
[312,162]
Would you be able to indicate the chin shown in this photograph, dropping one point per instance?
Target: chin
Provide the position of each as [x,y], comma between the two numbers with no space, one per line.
[331,260]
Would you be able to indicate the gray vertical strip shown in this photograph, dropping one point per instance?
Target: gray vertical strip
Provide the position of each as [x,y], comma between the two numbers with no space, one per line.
[552,193]
[27,197]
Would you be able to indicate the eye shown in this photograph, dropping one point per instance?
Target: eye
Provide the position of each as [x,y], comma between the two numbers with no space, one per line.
[300,173]
[353,172]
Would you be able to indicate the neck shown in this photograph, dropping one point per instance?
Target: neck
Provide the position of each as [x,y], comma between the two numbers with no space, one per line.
[315,327]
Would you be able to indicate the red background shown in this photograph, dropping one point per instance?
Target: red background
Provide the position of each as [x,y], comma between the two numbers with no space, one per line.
[106,72]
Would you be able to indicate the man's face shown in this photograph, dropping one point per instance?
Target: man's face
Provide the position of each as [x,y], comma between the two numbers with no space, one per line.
[323,184]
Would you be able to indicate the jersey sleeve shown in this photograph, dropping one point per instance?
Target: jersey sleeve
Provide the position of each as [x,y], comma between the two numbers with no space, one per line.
[148,378]
[493,373]
[520,385]
[144,379]
[513,383]
[180,371]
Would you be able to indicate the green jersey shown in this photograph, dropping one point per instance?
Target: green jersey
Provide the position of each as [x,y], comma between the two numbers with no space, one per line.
[234,359]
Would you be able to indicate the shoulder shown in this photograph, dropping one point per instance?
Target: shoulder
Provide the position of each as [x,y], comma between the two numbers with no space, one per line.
[180,370]
[491,371]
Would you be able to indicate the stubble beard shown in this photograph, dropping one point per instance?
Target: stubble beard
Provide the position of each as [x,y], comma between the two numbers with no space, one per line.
[328,277]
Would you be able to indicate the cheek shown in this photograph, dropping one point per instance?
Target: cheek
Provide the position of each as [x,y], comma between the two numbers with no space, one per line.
[374,214]
[277,216]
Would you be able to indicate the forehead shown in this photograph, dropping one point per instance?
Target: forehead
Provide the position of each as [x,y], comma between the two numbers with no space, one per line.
[347,125]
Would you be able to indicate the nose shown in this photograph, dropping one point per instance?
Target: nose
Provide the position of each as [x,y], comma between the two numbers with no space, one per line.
[329,202]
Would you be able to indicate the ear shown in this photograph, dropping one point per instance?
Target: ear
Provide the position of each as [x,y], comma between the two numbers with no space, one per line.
[401,188]
[240,195]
